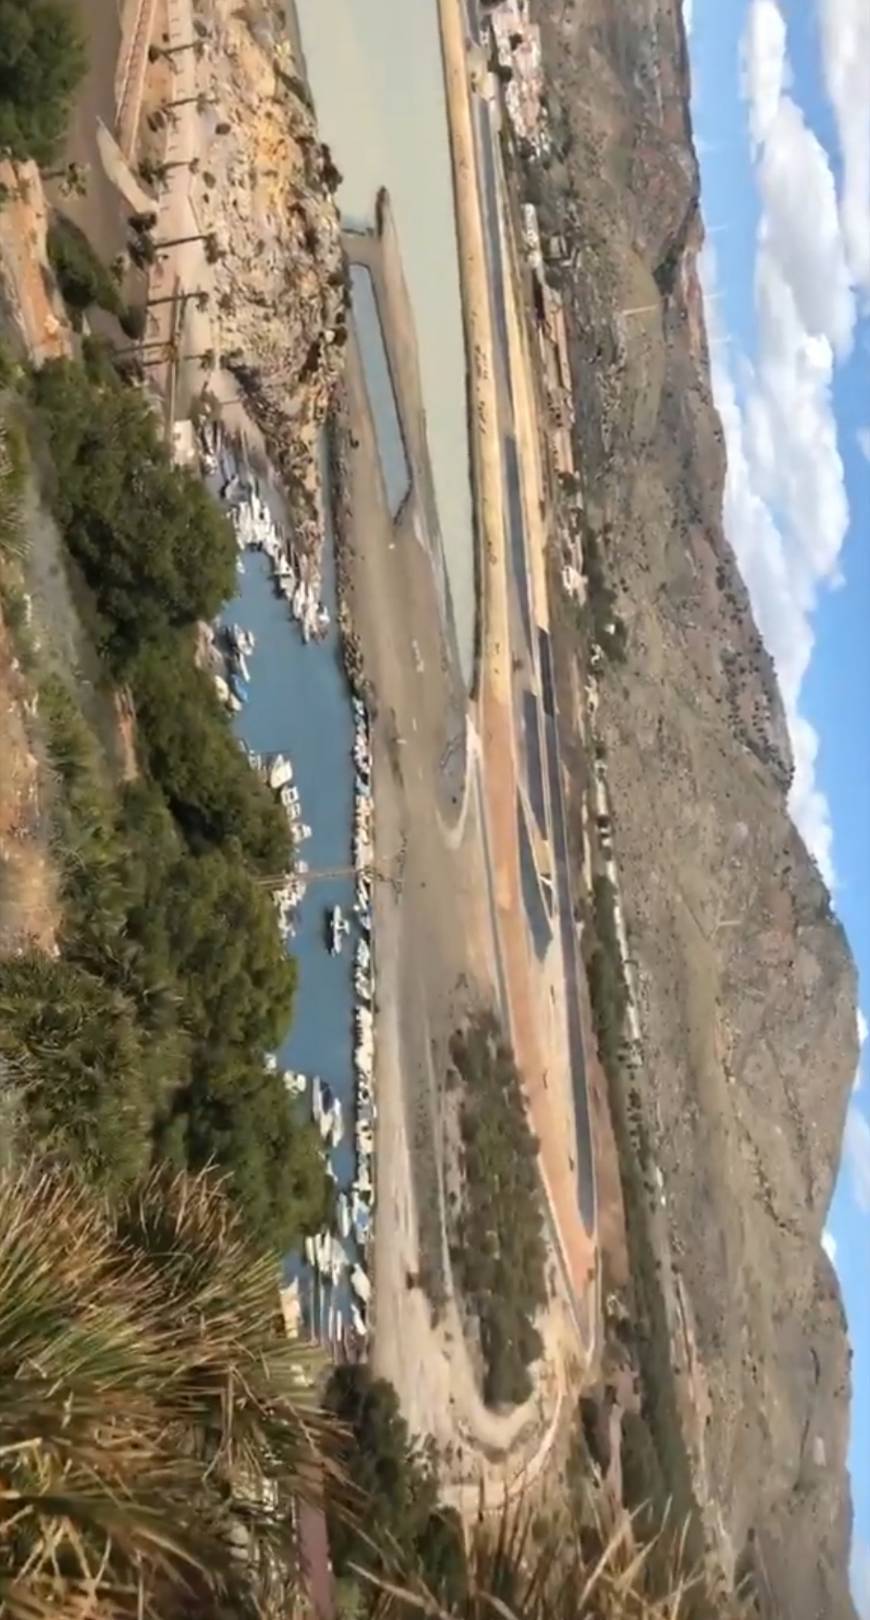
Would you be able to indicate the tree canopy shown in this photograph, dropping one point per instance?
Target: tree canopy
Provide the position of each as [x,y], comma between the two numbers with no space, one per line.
[147,1038]
[395,1477]
[498,1244]
[153,545]
[42,61]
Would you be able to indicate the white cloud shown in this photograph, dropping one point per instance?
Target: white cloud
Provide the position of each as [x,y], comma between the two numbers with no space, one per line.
[856,1155]
[863,437]
[794,434]
[782,465]
[801,225]
[786,505]
[829,1244]
[763,65]
[863,1028]
[845,31]
[688,14]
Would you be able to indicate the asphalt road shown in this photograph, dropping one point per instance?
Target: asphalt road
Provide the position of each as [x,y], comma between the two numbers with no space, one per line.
[570,954]
[518,552]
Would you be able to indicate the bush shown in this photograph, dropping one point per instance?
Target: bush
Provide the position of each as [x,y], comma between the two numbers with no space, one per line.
[143,1348]
[169,937]
[191,751]
[153,546]
[81,275]
[42,61]
[398,1521]
[83,1068]
[186,953]
[134,320]
[499,1253]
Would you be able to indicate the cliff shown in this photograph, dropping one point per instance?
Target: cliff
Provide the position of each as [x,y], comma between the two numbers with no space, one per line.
[280,280]
[747,985]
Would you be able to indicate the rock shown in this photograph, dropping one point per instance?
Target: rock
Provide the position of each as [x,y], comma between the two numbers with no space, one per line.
[279,282]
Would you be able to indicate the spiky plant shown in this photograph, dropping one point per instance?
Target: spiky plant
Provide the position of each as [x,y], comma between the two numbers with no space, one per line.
[156,1426]
[601,1573]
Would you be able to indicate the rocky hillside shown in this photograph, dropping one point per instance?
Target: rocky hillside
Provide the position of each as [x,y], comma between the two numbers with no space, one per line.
[747,984]
[268,195]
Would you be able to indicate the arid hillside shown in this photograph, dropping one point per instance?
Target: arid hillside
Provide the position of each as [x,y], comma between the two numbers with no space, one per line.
[748,989]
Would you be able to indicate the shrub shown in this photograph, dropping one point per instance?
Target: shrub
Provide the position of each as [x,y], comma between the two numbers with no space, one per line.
[398,1520]
[154,547]
[42,61]
[499,1252]
[134,320]
[81,275]
[154,1414]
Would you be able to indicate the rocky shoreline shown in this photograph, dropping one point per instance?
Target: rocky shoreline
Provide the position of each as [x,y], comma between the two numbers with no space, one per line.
[280,281]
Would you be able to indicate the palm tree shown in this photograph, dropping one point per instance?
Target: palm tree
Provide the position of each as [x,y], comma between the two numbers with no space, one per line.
[201,99]
[200,296]
[73,178]
[170,51]
[206,359]
[156,173]
[156,1424]
[212,248]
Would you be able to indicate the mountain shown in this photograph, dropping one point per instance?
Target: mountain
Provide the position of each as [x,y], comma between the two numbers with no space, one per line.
[747,985]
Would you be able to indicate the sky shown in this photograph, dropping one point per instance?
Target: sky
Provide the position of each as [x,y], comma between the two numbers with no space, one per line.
[781,111]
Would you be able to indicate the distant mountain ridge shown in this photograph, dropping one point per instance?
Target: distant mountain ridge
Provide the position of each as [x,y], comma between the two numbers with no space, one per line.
[747,983]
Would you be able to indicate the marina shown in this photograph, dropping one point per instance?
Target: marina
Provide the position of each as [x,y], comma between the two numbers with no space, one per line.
[276,660]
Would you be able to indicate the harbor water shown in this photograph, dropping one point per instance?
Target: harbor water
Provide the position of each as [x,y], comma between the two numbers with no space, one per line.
[298,704]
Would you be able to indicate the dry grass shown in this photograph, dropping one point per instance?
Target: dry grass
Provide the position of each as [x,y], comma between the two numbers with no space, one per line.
[602,1573]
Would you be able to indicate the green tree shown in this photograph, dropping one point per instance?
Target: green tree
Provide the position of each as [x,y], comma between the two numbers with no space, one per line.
[153,545]
[82,277]
[192,753]
[396,1521]
[42,62]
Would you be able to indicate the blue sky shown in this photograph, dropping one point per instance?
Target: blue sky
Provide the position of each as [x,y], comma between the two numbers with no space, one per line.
[781,106]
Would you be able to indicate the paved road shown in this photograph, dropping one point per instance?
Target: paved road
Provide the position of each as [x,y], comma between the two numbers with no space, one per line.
[586,1187]
[541,662]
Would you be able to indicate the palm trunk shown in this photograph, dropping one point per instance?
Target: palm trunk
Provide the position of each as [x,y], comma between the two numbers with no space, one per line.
[179,241]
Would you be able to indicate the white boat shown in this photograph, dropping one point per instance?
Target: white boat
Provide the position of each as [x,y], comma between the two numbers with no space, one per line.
[362,1220]
[360,1284]
[327,1103]
[343,1214]
[337,1260]
[280,773]
[358,1320]
[337,926]
[336,1123]
[317,1099]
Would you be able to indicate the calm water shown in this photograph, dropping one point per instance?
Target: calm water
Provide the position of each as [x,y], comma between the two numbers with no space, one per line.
[376,75]
[299,706]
